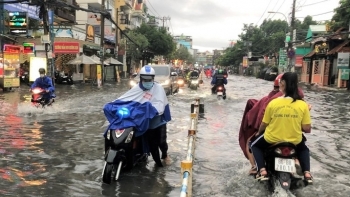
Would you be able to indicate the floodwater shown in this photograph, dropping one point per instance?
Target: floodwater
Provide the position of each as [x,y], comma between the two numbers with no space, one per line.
[58,152]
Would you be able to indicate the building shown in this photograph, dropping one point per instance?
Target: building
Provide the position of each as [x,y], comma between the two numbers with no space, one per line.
[204,58]
[185,41]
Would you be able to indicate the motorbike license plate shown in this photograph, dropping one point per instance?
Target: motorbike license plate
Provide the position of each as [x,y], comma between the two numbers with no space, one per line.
[284,165]
[219,93]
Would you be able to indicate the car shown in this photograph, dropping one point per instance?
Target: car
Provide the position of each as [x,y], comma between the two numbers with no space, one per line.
[165,76]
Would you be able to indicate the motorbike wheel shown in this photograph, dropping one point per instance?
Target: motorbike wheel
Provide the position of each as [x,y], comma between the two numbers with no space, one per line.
[219,97]
[70,81]
[107,173]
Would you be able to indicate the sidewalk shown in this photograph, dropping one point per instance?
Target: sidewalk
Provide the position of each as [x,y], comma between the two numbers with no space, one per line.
[318,87]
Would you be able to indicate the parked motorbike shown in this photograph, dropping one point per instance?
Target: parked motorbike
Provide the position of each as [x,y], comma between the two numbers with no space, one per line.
[38,99]
[25,77]
[220,92]
[61,77]
[280,166]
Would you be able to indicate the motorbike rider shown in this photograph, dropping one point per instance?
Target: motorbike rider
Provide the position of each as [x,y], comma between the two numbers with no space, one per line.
[45,82]
[219,80]
[158,124]
[285,120]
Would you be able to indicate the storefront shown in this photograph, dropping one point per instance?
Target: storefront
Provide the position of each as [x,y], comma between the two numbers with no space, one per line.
[9,66]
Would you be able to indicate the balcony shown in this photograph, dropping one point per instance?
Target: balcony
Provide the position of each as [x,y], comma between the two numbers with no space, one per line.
[65,15]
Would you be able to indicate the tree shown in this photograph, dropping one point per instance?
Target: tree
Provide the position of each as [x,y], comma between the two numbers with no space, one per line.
[182,53]
[341,18]
[135,51]
[160,41]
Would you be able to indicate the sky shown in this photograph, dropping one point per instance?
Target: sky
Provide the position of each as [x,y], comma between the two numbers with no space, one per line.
[213,23]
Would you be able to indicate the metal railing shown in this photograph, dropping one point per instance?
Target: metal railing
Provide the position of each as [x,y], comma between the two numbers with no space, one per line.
[187,164]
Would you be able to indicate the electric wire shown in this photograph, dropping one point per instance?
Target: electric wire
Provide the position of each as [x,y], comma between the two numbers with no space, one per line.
[263,12]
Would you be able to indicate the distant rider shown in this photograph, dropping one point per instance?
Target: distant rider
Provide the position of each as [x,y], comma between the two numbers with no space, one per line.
[44,82]
[219,80]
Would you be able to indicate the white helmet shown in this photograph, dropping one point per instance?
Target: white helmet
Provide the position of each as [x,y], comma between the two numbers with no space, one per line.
[147,72]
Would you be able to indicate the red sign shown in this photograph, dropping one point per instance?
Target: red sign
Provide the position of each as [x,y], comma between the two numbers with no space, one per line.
[66,47]
[11,48]
[298,61]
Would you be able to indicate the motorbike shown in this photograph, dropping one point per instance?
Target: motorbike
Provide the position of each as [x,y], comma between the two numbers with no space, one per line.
[193,83]
[280,165]
[25,77]
[63,78]
[122,151]
[220,92]
[38,100]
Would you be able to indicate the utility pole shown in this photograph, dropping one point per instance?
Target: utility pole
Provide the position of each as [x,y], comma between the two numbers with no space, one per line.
[102,43]
[292,38]
[165,18]
[116,44]
[48,46]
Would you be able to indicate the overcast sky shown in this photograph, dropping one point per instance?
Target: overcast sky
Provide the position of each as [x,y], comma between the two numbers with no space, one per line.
[212,23]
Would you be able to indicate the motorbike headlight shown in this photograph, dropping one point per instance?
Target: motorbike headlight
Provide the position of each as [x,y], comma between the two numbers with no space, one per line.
[166,82]
[129,138]
[132,83]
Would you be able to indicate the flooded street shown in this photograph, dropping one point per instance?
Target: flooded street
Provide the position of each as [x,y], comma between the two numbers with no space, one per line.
[58,152]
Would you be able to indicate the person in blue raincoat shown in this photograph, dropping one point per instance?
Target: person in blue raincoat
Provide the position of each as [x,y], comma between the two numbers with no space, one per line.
[149,112]
[44,82]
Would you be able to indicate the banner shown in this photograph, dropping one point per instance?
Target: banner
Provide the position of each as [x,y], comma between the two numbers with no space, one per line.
[343,60]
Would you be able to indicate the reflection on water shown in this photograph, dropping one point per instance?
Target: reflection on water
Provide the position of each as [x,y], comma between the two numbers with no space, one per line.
[58,151]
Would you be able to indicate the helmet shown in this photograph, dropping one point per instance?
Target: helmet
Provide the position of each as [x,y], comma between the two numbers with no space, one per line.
[277,80]
[42,70]
[147,72]
[220,71]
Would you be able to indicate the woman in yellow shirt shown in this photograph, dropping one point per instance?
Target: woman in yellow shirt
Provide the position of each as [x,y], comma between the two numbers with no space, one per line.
[284,120]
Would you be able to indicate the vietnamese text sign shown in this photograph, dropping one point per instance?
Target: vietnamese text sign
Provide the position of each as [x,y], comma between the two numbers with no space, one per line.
[28,47]
[18,22]
[282,58]
[344,74]
[19,7]
[66,47]
[343,60]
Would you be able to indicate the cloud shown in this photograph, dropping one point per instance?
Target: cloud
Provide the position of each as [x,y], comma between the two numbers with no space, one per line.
[213,23]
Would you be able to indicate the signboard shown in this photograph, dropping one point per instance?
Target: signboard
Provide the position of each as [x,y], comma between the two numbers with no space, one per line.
[28,47]
[344,74]
[343,60]
[35,64]
[66,47]
[245,61]
[18,22]
[90,33]
[11,82]
[298,61]
[23,7]
[99,75]
[11,48]
[282,58]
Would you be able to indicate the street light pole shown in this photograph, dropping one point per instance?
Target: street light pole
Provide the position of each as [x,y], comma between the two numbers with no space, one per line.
[102,43]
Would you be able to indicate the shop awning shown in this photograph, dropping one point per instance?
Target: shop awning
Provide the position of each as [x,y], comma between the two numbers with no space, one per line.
[312,53]
[338,48]
[2,36]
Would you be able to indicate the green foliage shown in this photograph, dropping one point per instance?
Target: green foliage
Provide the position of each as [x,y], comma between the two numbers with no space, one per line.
[266,39]
[135,51]
[341,18]
[160,41]
[182,54]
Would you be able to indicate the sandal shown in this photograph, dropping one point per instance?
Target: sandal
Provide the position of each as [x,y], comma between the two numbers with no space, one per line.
[253,170]
[261,177]
[308,179]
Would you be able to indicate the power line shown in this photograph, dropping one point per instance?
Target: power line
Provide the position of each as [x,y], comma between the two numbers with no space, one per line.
[272,10]
[279,9]
[153,8]
[314,3]
[263,12]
